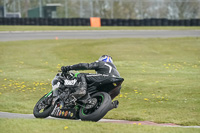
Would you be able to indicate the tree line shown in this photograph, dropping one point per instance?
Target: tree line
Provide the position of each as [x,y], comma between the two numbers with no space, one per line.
[124,9]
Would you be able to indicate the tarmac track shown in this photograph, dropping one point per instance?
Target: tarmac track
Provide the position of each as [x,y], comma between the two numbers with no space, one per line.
[38,35]
[95,34]
[30,116]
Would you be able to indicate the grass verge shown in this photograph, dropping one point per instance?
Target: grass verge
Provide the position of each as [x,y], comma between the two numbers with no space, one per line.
[63,126]
[52,28]
[161,75]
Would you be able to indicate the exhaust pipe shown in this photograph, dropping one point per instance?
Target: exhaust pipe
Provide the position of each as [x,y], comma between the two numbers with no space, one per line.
[114,104]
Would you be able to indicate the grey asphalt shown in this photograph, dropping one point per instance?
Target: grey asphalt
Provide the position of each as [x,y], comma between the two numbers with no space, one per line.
[30,116]
[96,34]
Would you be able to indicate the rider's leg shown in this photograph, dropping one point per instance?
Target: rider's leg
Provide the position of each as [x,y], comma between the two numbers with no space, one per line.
[81,88]
[96,79]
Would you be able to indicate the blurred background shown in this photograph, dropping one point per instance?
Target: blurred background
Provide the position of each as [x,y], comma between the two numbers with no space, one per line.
[105,9]
[124,9]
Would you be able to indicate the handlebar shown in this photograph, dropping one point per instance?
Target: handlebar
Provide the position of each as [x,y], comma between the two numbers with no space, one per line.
[64,74]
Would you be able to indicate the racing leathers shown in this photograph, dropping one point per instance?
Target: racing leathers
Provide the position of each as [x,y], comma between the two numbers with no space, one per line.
[100,67]
[103,69]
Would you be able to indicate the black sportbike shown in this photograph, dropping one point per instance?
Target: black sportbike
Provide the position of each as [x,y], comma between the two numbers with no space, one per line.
[68,107]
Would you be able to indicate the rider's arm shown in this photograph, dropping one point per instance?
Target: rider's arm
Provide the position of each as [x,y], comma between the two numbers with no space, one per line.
[85,66]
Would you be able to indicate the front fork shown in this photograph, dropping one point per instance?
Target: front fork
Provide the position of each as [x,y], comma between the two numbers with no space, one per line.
[49,94]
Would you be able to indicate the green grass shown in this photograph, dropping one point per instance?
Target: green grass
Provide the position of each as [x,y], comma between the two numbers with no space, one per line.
[67,126]
[50,28]
[161,75]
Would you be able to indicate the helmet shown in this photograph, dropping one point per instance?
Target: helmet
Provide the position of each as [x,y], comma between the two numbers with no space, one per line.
[106,58]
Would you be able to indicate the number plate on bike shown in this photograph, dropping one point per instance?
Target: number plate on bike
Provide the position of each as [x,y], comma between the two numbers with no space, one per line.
[70,82]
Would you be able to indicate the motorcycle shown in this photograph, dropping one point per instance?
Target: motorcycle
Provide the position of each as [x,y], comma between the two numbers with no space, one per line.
[68,107]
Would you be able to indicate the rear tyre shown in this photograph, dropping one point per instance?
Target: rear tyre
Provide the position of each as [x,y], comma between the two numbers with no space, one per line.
[42,110]
[102,106]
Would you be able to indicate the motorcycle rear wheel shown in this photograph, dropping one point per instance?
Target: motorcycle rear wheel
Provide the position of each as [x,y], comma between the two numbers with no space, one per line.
[99,110]
[44,112]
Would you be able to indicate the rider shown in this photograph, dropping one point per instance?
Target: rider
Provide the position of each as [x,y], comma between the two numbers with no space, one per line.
[104,68]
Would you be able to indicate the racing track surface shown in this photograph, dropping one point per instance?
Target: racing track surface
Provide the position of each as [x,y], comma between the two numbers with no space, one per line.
[30,116]
[95,34]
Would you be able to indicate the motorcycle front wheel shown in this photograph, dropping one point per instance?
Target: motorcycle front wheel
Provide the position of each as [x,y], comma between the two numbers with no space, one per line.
[42,109]
[102,106]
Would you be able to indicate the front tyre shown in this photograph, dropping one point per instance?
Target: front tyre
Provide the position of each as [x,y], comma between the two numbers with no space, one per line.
[42,108]
[102,106]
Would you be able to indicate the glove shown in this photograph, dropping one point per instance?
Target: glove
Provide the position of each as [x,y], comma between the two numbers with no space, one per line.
[65,68]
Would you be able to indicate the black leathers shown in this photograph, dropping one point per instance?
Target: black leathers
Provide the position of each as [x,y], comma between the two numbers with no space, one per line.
[100,67]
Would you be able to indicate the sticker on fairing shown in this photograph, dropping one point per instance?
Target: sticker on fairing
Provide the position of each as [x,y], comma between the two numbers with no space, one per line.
[70,82]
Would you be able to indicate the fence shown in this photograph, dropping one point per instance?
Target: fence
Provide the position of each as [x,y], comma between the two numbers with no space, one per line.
[109,9]
[104,22]
[111,12]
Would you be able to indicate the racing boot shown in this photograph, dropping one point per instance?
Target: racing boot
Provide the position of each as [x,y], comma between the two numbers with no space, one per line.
[114,104]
